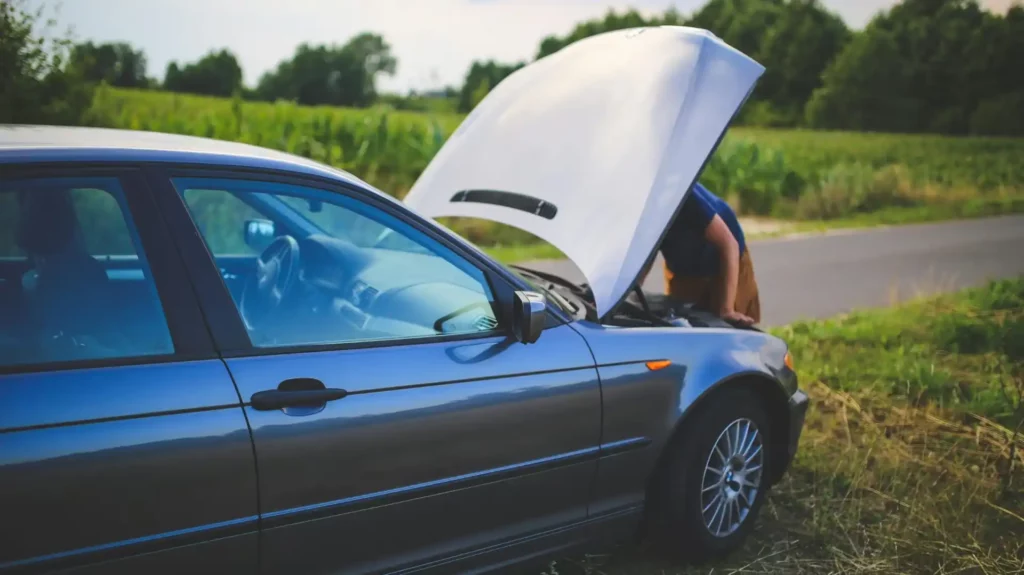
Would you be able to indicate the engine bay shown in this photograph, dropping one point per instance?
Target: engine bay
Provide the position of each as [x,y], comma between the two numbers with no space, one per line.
[639,309]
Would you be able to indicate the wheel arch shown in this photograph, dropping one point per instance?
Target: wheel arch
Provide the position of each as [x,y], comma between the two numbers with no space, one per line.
[774,398]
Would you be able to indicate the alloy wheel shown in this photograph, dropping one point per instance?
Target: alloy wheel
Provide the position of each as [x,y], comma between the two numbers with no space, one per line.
[732,477]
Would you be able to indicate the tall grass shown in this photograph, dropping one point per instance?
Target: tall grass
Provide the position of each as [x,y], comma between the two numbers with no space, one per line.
[386,147]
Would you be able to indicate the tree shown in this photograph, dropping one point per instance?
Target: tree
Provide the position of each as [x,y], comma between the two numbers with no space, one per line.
[795,51]
[927,65]
[36,86]
[480,79]
[117,64]
[336,75]
[795,40]
[866,88]
[215,74]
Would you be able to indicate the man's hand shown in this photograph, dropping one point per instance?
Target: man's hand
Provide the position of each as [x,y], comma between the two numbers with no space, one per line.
[734,316]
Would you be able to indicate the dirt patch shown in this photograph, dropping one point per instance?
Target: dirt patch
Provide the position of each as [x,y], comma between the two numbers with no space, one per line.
[758,227]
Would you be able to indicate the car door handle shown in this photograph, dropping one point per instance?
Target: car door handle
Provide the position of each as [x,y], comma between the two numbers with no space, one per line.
[301,392]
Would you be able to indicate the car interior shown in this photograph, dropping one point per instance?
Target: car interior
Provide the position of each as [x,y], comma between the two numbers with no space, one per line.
[58,301]
[318,273]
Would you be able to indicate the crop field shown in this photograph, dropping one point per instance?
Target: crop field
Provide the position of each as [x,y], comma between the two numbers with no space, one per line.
[790,174]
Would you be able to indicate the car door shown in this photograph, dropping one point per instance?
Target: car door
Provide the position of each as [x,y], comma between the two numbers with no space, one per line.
[432,432]
[123,445]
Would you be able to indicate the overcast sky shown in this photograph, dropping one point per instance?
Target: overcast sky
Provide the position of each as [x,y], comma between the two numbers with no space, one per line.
[434,40]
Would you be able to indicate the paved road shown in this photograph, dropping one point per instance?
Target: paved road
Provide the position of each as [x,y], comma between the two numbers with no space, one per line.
[821,276]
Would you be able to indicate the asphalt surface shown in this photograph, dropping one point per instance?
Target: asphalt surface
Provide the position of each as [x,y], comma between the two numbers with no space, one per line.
[825,275]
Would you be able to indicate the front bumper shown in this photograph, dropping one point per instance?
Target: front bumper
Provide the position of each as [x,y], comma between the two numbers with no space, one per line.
[798,403]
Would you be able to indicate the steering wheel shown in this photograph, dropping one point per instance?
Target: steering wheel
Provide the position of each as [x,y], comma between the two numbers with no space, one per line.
[275,276]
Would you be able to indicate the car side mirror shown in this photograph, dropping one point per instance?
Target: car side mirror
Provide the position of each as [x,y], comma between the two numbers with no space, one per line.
[259,233]
[529,315]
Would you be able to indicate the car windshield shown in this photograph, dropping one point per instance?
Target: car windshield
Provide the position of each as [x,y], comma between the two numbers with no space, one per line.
[336,221]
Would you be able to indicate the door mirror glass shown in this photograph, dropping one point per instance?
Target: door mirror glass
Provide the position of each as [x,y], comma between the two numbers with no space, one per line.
[259,234]
[529,315]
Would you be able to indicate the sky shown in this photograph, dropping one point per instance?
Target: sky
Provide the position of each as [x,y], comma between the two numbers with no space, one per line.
[434,41]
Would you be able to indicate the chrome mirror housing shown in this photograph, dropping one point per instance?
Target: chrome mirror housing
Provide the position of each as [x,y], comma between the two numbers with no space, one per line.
[529,315]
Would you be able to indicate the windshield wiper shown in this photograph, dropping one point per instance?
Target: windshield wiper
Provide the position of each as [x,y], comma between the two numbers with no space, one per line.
[549,289]
[561,300]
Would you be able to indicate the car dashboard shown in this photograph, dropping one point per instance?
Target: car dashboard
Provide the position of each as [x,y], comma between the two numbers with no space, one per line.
[386,293]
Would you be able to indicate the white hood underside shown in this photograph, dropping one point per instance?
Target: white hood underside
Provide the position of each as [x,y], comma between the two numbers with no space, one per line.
[604,137]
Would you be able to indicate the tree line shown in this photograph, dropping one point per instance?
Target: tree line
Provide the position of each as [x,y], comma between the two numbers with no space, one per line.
[941,66]
[315,75]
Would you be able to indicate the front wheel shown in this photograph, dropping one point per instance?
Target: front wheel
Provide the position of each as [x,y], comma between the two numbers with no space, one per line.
[713,483]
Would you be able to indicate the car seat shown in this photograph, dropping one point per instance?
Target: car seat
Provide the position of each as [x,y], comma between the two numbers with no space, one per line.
[66,287]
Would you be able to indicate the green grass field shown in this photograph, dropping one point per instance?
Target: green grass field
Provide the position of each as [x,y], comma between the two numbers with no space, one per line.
[909,462]
[825,178]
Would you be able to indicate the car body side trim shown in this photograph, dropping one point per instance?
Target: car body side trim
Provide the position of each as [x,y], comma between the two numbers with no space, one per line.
[594,520]
[125,548]
[326,508]
[616,447]
[148,414]
[283,517]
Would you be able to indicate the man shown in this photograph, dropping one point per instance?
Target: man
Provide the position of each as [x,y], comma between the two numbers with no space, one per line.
[707,262]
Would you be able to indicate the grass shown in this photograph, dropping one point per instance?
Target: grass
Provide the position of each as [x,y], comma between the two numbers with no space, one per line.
[909,462]
[516,253]
[818,179]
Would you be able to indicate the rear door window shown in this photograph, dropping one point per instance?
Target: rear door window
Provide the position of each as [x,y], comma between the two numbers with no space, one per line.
[74,281]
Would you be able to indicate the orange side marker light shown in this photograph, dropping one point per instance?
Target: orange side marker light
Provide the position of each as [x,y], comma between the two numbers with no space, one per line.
[659,364]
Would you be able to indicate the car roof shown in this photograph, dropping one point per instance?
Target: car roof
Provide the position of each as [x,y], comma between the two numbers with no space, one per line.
[22,144]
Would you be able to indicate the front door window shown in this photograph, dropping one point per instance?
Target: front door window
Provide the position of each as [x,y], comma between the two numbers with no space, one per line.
[321,268]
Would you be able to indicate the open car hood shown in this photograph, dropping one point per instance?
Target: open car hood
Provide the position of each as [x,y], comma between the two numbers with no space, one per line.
[593,148]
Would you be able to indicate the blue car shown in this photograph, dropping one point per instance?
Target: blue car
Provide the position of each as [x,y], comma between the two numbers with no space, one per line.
[220,358]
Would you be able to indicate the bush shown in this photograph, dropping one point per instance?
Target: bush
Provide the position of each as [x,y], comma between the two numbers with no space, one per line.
[889,187]
[848,189]
[754,176]
[1001,295]
[36,85]
[1013,340]
[958,333]
[836,195]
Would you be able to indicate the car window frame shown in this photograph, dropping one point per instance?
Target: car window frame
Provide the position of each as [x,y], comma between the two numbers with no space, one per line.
[226,325]
[182,314]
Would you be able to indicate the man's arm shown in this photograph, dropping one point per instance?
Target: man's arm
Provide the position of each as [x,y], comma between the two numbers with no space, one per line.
[719,234]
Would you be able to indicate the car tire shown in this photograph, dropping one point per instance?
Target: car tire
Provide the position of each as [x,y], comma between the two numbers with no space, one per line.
[682,506]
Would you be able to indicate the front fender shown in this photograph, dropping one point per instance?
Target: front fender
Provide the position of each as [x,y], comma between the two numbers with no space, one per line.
[643,408]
